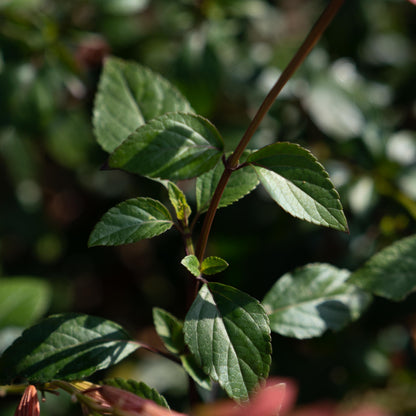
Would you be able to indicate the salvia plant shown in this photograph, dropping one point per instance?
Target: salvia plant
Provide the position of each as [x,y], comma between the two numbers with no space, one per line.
[150,129]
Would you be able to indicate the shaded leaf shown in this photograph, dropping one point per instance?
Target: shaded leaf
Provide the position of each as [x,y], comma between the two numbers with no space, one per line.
[299,184]
[66,347]
[170,330]
[173,146]
[179,202]
[128,96]
[228,333]
[391,273]
[139,389]
[213,265]
[130,221]
[192,264]
[313,299]
[194,370]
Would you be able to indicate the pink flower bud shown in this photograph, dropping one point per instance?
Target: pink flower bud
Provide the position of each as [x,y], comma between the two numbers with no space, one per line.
[29,404]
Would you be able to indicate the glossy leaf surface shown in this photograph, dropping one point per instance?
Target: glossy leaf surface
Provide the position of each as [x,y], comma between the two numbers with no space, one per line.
[391,273]
[170,330]
[66,347]
[130,221]
[299,184]
[228,333]
[173,146]
[128,96]
[313,299]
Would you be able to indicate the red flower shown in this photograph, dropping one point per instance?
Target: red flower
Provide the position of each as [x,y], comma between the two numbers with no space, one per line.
[29,404]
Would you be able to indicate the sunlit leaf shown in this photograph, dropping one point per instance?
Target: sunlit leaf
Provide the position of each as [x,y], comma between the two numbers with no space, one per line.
[128,96]
[130,221]
[391,273]
[179,202]
[213,265]
[170,330]
[228,333]
[313,299]
[299,184]
[192,264]
[173,146]
[66,347]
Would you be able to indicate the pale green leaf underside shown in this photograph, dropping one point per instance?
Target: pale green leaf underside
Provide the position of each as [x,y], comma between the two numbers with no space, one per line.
[228,333]
[213,265]
[130,221]
[23,299]
[299,184]
[66,347]
[191,262]
[170,330]
[128,96]
[391,273]
[313,299]
[174,146]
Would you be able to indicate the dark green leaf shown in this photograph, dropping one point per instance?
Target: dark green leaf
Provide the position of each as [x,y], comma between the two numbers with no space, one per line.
[228,333]
[139,389]
[192,264]
[213,265]
[299,184]
[130,221]
[391,273]
[23,300]
[173,146]
[170,329]
[128,96]
[312,299]
[195,371]
[179,202]
[66,347]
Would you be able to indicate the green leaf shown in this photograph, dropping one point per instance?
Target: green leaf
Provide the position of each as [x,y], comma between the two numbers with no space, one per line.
[194,370]
[23,300]
[228,333]
[299,184]
[192,264]
[66,347]
[391,273]
[241,183]
[312,299]
[174,146]
[130,221]
[213,265]
[139,389]
[179,202]
[128,96]
[170,330]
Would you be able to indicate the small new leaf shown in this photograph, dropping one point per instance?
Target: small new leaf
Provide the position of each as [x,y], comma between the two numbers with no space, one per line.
[391,273]
[228,333]
[130,221]
[170,330]
[299,184]
[174,146]
[192,264]
[66,347]
[179,202]
[312,299]
[213,265]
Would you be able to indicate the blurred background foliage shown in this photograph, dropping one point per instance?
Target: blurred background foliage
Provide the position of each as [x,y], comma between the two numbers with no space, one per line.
[353,104]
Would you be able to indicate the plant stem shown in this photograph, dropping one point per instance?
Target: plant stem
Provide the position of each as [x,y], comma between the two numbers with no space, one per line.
[314,35]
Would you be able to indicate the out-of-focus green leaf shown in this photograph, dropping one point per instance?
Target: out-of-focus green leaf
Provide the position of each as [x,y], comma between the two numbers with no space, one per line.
[313,299]
[128,96]
[170,329]
[130,221]
[66,347]
[228,333]
[299,184]
[213,265]
[391,273]
[174,146]
[192,264]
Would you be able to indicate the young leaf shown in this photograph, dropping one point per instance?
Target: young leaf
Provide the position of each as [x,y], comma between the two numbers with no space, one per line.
[312,299]
[179,202]
[66,347]
[139,389]
[22,300]
[391,273]
[241,183]
[130,221]
[170,330]
[228,333]
[194,370]
[299,184]
[213,265]
[128,96]
[192,264]
[173,146]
